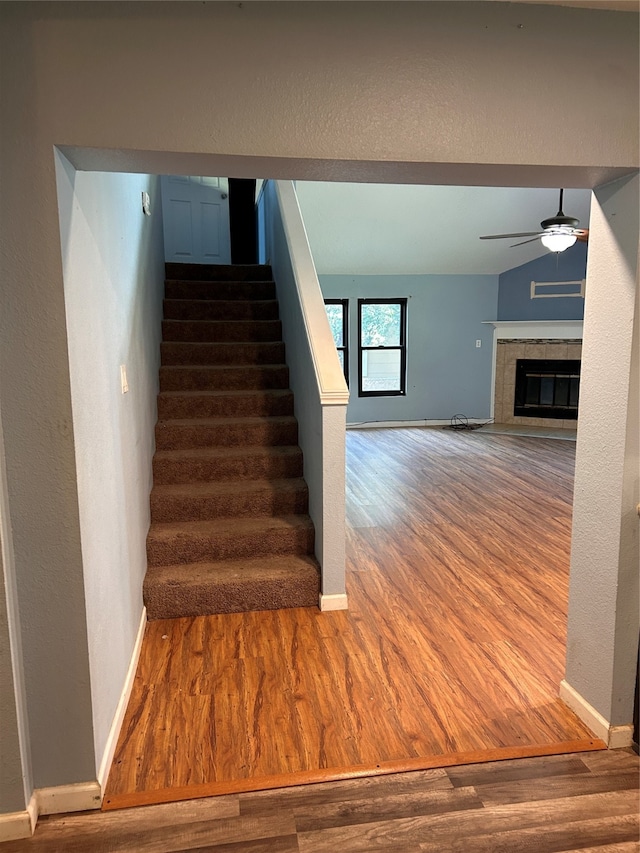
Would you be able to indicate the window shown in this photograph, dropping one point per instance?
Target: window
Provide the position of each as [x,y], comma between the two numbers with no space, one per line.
[382,351]
[338,314]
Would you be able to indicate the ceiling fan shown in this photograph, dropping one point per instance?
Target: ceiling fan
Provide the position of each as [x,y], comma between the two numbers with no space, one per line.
[558,232]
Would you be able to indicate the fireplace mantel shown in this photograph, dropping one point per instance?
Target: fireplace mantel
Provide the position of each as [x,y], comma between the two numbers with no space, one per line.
[547,329]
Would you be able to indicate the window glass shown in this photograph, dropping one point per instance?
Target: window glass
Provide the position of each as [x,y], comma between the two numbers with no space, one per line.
[380,325]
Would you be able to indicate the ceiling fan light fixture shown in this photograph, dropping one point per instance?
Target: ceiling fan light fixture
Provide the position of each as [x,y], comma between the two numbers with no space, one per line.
[558,239]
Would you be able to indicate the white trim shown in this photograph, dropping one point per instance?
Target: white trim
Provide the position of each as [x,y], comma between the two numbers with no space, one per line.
[32,811]
[551,329]
[116,725]
[15,825]
[79,797]
[542,284]
[332,386]
[337,601]
[616,737]
[435,423]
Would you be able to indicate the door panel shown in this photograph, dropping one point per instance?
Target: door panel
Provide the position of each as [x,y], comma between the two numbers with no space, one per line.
[196,220]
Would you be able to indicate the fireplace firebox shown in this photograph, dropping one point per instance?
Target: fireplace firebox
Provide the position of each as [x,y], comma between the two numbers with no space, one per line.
[547,388]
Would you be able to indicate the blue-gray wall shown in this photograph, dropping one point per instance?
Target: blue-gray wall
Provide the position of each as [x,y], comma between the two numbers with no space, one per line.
[446,373]
[514,293]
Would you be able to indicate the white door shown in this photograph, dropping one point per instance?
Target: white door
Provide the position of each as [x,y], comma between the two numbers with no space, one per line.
[195,211]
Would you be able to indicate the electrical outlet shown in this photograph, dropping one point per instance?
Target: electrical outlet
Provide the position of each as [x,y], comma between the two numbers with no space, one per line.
[123,378]
[478,344]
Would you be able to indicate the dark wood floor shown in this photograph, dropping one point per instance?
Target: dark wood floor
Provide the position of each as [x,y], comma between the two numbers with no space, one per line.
[586,802]
[452,650]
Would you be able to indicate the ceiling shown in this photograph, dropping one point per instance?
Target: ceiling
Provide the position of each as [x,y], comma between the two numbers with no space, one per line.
[380,229]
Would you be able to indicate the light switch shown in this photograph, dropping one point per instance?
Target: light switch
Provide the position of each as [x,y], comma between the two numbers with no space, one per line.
[123,378]
[146,204]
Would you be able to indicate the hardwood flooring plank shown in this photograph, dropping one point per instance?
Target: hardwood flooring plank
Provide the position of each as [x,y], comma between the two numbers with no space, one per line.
[611,759]
[282,844]
[447,829]
[502,772]
[391,807]
[166,838]
[622,847]
[327,793]
[551,839]
[527,790]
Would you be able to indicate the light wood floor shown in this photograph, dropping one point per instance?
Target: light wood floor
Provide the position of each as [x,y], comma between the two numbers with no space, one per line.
[585,802]
[451,652]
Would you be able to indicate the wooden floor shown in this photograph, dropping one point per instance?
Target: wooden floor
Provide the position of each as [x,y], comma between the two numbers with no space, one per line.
[451,652]
[586,802]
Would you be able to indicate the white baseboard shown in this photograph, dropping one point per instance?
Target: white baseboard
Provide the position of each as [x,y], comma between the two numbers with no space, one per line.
[15,825]
[116,725]
[434,423]
[32,811]
[616,737]
[381,424]
[338,601]
[79,797]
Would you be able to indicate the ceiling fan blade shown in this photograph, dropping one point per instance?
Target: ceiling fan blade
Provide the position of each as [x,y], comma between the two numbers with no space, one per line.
[501,236]
[524,242]
[582,235]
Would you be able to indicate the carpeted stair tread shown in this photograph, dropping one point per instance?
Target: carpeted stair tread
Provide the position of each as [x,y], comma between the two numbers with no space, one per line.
[220,331]
[223,463]
[246,403]
[226,452]
[218,272]
[231,586]
[226,431]
[226,498]
[228,538]
[215,309]
[228,377]
[220,353]
[227,290]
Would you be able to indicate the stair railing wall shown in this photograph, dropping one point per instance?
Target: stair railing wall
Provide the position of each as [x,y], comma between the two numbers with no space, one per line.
[316,377]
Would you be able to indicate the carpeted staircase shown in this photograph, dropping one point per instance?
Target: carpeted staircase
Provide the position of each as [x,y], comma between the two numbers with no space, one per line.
[229,524]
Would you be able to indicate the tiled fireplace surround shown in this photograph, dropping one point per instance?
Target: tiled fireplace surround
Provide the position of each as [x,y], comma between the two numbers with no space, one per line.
[507,351]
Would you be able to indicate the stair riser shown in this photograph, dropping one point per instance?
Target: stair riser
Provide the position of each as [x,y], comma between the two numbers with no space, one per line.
[202,353]
[224,379]
[229,546]
[218,272]
[245,468]
[264,504]
[222,332]
[249,406]
[227,290]
[209,598]
[173,437]
[194,309]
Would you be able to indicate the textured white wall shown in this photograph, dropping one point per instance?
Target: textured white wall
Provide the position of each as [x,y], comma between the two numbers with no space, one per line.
[15,760]
[605,564]
[407,92]
[113,261]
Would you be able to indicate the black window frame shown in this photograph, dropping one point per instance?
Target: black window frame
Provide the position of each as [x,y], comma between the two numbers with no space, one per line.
[344,349]
[402,347]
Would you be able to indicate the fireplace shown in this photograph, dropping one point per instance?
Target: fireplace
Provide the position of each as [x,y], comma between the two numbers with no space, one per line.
[547,388]
[537,341]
